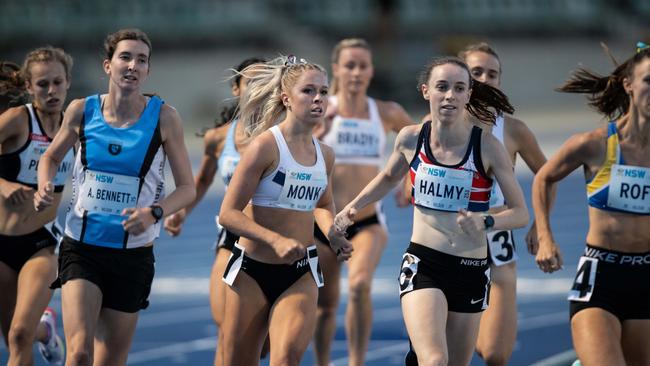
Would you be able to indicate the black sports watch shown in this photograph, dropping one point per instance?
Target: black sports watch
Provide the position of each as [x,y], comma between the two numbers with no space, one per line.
[157,212]
[488,221]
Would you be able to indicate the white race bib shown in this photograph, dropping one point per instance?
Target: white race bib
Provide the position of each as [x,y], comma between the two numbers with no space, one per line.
[302,190]
[29,159]
[629,189]
[502,247]
[585,280]
[356,138]
[108,193]
[442,188]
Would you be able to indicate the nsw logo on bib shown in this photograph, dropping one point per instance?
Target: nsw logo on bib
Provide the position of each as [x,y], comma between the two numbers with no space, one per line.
[442,188]
[629,188]
[301,190]
[108,193]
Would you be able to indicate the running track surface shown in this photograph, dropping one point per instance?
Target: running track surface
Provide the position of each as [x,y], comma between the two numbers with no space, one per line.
[177,328]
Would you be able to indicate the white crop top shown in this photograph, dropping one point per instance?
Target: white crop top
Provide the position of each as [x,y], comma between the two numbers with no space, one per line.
[496,197]
[292,185]
[356,140]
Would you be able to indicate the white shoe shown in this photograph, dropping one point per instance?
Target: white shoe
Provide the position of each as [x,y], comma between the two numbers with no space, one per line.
[54,350]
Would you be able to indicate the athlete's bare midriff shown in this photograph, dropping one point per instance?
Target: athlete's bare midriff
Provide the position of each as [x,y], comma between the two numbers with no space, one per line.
[439,230]
[347,181]
[621,232]
[22,219]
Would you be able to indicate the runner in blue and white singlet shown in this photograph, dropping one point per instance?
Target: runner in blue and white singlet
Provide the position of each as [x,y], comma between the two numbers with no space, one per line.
[106,260]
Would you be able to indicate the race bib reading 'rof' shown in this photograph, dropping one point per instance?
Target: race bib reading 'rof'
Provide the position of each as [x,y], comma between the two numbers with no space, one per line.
[442,188]
[629,189]
[108,193]
[301,190]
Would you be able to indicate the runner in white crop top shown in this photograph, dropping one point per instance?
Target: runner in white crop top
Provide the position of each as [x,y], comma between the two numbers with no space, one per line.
[291,185]
[355,127]
[280,187]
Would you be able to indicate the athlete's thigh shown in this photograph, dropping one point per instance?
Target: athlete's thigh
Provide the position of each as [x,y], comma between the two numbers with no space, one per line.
[636,341]
[368,246]
[246,325]
[499,322]
[597,337]
[328,295]
[8,286]
[462,330]
[217,286]
[34,292]
[81,302]
[113,337]
[425,316]
[293,319]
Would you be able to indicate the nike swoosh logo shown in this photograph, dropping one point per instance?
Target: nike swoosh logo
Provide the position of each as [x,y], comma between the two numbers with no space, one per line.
[476,301]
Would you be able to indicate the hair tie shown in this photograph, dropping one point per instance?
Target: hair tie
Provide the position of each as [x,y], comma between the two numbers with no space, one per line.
[293,60]
[640,46]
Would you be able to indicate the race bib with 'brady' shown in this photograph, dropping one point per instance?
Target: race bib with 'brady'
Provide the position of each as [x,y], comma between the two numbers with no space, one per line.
[301,190]
[442,188]
[629,189]
[356,138]
[108,193]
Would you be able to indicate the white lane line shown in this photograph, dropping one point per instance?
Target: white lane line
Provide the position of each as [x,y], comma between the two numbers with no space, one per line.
[174,317]
[377,353]
[543,321]
[382,315]
[533,286]
[173,350]
[562,358]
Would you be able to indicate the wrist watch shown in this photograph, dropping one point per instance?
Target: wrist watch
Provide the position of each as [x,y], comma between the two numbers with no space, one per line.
[488,221]
[157,212]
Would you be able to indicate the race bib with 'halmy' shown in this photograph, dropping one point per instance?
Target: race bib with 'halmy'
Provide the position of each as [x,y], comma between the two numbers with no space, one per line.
[108,193]
[301,190]
[442,188]
[629,188]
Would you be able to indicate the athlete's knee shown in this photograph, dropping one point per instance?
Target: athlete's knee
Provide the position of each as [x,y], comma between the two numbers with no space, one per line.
[435,358]
[359,287]
[79,358]
[494,357]
[291,357]
[327,310]
[20,337]
[505,275]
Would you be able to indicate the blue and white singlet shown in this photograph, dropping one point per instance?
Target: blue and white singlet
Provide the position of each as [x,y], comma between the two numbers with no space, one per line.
[116,168]
[229,157]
